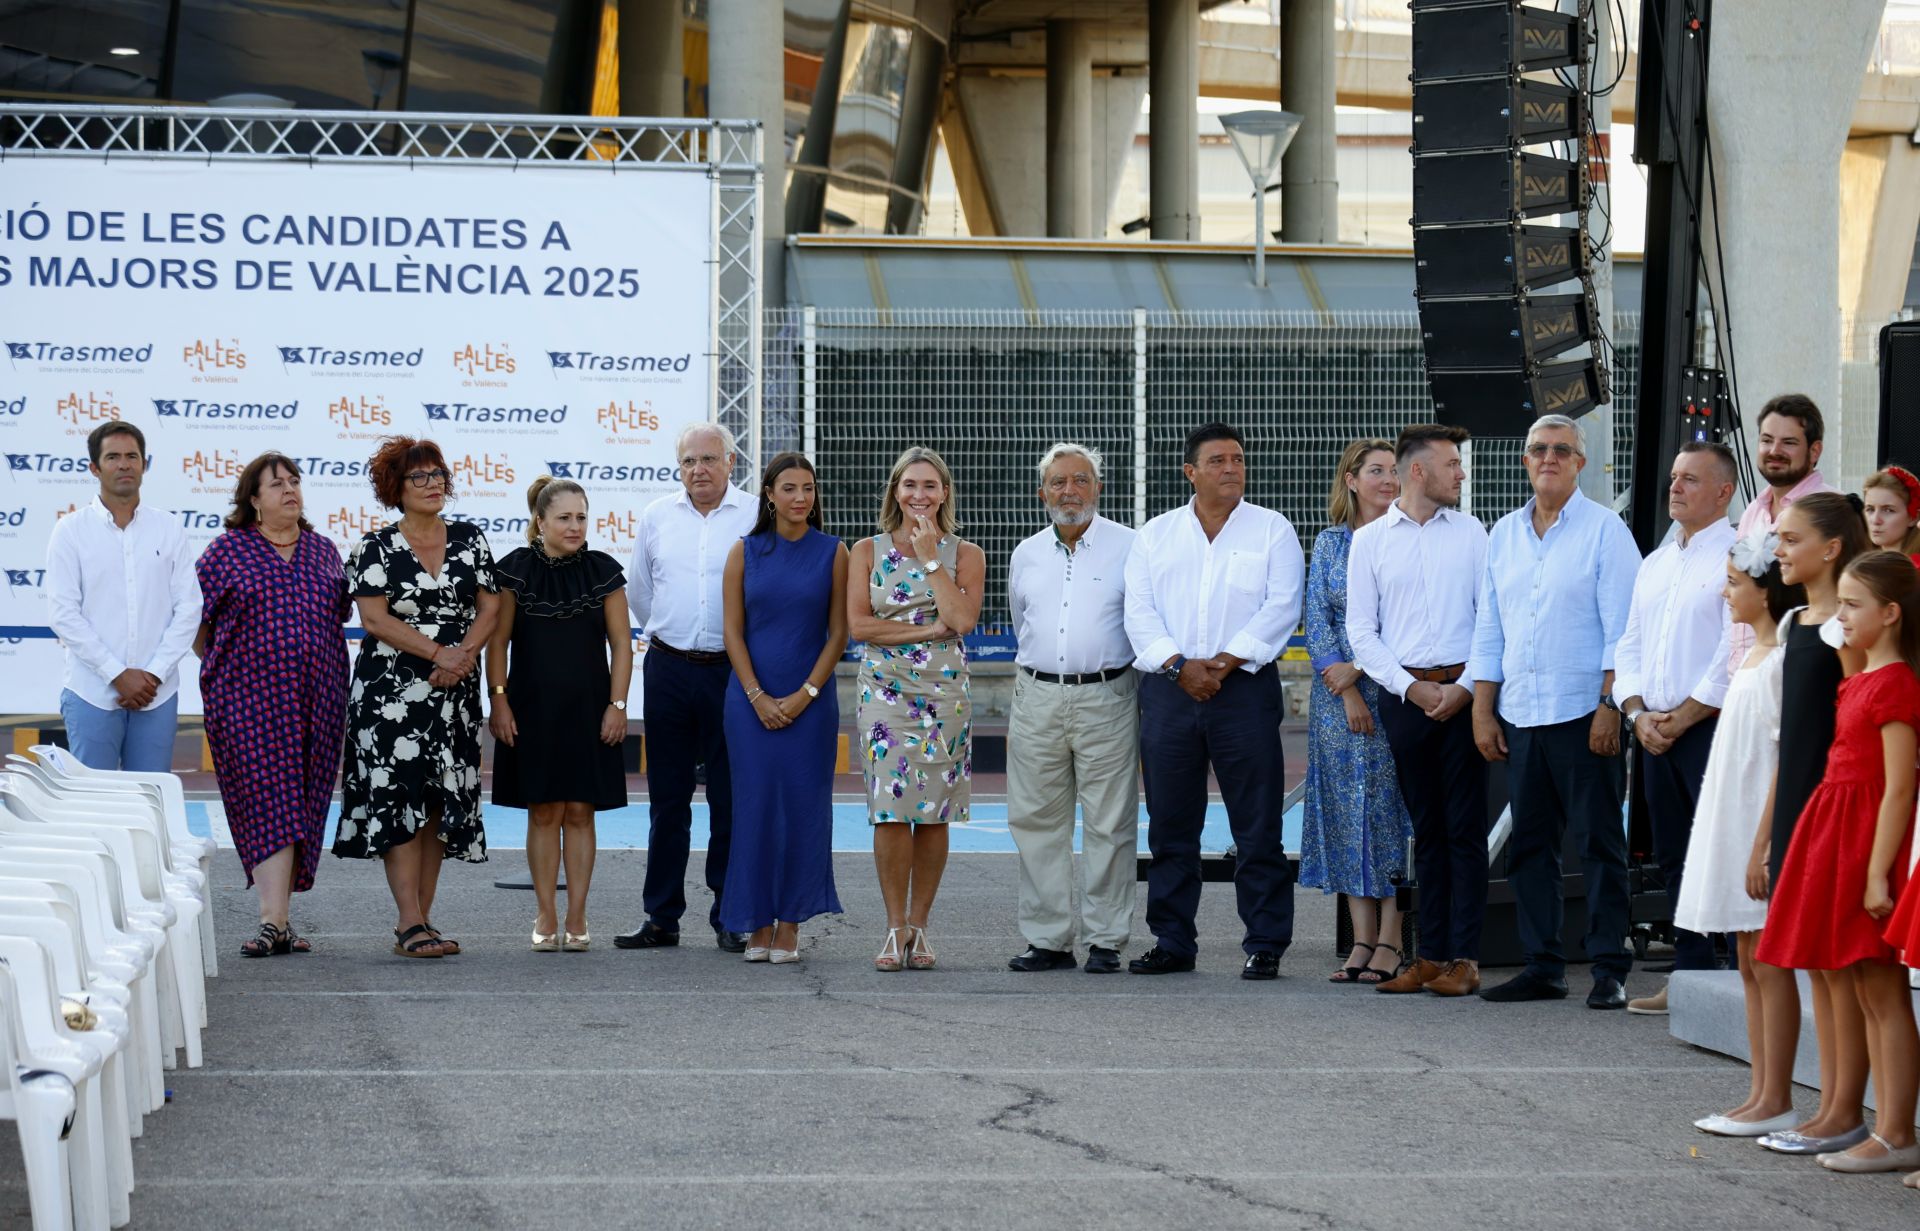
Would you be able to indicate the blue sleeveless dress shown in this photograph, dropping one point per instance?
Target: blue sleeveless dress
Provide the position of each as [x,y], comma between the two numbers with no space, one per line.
[781,866]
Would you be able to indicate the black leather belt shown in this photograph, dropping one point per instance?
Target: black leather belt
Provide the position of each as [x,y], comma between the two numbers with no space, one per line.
[702,658]
[1085,677]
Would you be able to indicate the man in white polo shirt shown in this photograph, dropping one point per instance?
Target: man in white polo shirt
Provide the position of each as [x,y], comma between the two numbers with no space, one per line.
[1075,722]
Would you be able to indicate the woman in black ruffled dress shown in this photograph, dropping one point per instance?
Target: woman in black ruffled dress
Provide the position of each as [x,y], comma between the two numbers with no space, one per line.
[558,667]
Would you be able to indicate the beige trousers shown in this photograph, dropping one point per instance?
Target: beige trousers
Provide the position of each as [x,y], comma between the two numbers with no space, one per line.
[1067,744]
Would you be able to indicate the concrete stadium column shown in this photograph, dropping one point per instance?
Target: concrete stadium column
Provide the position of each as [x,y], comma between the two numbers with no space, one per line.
[919,112]
[746,75]
[1309,173]
[1780,95]
[1173,155]
[653,75]
[1879,215]
[1070,207]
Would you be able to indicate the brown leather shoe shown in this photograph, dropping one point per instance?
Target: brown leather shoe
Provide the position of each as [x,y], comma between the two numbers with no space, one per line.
[1462,978]
[1415,977]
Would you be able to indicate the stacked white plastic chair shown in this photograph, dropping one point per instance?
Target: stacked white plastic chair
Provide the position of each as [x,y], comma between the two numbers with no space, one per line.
[103,909]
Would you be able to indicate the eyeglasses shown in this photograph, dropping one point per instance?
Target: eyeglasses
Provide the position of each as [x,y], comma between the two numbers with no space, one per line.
[427,478]
[708,460]
[1561,451]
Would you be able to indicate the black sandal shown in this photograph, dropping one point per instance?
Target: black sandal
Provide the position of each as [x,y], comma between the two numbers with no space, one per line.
[1381,976]
[1351,974]
[296,943]
[405,946]
[271,942]
[449,946]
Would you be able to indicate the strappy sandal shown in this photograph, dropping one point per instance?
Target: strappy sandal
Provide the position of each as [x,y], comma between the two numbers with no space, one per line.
[296,943]
[450,948]
[1379,976]
[405,946]
[271,942]
[890,958]
[919,952]
[1351,974]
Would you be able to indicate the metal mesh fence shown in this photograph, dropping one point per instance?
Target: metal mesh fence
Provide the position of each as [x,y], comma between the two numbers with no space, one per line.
[991,391]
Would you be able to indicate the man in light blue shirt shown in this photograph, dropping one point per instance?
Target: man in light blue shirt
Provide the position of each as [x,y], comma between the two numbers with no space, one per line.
[1554,604]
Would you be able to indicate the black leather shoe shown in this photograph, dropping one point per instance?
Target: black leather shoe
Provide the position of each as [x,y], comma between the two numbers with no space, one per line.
[1526,986]
[650,936]
[1607,994]
[732,942]
[1036,958]
[1102,961]
[1157,961]
[1261,965]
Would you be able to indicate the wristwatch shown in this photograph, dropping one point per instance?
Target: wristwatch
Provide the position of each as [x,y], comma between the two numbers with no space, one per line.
[932,566]
[1632,718]
[1606,702]
[811,690]
[1172,669]
[619,705]
[498,690]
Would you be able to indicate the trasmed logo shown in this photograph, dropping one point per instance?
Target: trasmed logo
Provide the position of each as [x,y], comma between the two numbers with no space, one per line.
[87,409]
[351,411]
[338,358]
[48,354]
[237,413]
[220,355]
[600,472]
[332,471]
[596,362]
[196,521]
[48,463]
[212,466]
[469,412]
[26,578]
[486,359]
[12,520]
[12,408]
[627,416]
[483,471]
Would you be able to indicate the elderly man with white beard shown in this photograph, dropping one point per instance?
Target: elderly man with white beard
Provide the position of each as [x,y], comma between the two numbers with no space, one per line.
[1074,731]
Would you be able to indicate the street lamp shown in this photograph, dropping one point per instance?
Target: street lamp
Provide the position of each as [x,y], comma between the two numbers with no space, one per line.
[1260,138]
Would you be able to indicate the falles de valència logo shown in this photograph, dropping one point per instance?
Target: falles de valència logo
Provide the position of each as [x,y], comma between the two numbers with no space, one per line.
[601,363]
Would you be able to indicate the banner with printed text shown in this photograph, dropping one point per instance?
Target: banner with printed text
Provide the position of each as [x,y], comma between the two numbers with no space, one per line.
[530,320]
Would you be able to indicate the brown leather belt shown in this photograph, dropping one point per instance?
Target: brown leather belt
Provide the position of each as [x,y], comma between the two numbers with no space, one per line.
[1437,675]
[1085,677]
[701,658]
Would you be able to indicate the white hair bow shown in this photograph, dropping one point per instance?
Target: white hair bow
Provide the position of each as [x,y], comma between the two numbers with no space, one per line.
[1753,555]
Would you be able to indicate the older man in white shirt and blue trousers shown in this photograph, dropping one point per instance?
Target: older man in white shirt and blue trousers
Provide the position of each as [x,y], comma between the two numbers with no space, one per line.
[1214,589]
[674,590]
[125,602]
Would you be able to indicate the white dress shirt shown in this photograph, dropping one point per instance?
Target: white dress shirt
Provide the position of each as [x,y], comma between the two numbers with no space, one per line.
[674,585]
[1675,643]
[1070,607]
[121,599]
[1239,594]
[1412,591]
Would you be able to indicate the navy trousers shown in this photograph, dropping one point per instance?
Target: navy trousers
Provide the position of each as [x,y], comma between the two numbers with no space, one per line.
[1238,734]
[1443,779]
[1672,784]
[1556,781]
[683,713]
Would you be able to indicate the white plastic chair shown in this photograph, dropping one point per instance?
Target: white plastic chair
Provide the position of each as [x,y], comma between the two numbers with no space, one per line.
[58,1049]
[196,849]
[42,1104]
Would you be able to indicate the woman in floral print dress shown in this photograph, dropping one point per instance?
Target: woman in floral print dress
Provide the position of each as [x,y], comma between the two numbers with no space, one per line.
[922,596]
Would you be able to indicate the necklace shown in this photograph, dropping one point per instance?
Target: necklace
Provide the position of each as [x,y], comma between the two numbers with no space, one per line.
[276,542]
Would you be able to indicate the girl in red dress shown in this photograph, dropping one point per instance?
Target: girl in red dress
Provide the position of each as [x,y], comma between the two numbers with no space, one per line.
[1848,859]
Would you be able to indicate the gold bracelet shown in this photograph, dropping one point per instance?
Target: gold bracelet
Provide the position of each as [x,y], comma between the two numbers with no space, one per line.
[755,693]
[499,690]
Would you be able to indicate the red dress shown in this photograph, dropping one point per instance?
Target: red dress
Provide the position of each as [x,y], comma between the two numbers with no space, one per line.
[1816,920]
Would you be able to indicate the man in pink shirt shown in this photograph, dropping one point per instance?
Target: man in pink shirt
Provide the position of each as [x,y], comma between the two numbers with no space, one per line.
[1791,430]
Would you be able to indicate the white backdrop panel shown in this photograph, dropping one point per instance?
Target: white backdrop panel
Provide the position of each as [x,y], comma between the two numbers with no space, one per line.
[531,320]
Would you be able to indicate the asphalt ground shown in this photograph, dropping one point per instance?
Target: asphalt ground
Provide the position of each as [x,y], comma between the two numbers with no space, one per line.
[684,1088]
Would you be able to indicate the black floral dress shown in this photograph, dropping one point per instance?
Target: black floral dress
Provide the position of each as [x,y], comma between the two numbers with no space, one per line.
[410,744]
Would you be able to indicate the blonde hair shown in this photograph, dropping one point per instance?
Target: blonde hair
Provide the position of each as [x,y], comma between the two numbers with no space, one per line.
[1887,480]
[1342,508]
[892,516]
[540,497]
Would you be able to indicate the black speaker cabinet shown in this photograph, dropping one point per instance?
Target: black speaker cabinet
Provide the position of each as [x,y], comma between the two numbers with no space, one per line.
[1900,394]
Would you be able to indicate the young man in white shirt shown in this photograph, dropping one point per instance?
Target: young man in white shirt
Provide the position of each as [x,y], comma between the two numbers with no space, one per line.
[124,601]
[674,591]
[1214,590]
[1074,731]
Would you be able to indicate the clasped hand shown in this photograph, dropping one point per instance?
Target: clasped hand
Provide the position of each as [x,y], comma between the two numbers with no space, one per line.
[137,688]
[451,664]
[1200,678]
[777,712]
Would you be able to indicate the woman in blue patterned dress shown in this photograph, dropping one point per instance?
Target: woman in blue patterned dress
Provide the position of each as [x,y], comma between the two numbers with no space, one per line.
[920,596]
[1354,837]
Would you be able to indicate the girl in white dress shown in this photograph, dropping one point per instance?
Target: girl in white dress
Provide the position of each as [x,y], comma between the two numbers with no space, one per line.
[1736,797]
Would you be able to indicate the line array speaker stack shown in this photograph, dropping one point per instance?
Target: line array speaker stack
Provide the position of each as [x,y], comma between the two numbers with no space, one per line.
[1900,394]
[1501,295]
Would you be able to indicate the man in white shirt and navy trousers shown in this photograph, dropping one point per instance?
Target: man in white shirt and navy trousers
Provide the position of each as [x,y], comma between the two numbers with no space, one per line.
[125,603]
[674,590]
[1214,590]
[1075,727]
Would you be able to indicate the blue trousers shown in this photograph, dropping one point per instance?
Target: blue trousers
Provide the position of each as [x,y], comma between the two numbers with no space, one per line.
[1556,781]
[136,740]
[683,711]
[1443,779]
[1238,734]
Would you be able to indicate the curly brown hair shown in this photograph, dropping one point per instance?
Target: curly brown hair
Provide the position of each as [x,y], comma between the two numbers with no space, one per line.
[387,468]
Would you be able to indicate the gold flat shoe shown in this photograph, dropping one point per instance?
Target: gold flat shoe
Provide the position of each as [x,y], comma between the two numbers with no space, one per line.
[546,942]
[576,942]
